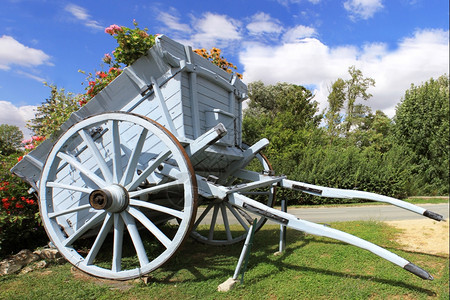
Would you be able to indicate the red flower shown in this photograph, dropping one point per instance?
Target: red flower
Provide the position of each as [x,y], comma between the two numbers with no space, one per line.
[18,205]
[6,203]
[30,201]
[19,158]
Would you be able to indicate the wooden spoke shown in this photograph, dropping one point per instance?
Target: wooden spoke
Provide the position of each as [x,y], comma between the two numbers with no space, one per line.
[77,165]
[225,221]
[155,189]
[213,222]
[203,215]
[238,216]
[117,243]
[83,229]
[117,154]
[135,237]
[101,236]
[68,211]
[160,208]
[138,215]
[70,187]
[153,165]
[97,155]
[132,163]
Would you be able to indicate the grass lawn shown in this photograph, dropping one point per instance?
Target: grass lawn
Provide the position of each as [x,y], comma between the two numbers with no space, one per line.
[311,268]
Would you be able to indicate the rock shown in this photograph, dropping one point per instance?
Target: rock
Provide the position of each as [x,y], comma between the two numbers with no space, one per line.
[227,285]
[48,253]
[36,266]
[18,261]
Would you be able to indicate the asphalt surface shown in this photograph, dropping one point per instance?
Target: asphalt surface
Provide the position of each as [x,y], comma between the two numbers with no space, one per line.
[365,213]
[350,213]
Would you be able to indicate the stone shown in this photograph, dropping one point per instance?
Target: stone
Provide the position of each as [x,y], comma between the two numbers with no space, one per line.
[227,285]
[48,253]
[16,262]
[35,266]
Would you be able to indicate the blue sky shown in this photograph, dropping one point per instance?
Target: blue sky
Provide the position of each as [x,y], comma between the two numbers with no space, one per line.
[307,42]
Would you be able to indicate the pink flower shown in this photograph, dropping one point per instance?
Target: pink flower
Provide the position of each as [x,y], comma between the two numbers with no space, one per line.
[107,58]
[37,138]
[29,146]
[101,74]
[27,141]
[113,29]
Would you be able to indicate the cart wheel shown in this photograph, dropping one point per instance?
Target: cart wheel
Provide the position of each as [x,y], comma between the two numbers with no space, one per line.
[107,190]
[235,221]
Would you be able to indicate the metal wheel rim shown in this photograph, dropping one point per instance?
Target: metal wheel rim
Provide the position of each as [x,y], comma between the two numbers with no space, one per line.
[122,219]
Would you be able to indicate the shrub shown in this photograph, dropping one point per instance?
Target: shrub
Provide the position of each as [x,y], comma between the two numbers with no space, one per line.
[20,225]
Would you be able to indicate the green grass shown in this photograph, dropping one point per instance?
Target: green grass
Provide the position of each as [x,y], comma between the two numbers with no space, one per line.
[312,267]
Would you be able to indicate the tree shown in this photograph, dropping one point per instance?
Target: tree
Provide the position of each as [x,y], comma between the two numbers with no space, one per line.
[336,100]
[422,124]
[356,87]
[286,115]
[54,112]
[374,131]
[10,139]
[348,91]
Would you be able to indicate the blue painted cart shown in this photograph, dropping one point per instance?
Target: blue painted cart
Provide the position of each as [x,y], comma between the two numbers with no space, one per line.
[131,168]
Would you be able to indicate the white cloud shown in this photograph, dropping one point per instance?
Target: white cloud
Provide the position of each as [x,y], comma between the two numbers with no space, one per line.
[173,22]
[310,62]
[18,116]
[215,30]
[81,14]
[31,76]
[364,9]
[286,3]
[297,33]
[13,52]
[262,23]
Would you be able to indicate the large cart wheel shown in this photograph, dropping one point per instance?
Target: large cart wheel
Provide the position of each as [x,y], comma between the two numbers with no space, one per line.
[107,190]
[220,223]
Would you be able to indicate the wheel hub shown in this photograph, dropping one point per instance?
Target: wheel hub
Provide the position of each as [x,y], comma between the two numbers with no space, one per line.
[113,198]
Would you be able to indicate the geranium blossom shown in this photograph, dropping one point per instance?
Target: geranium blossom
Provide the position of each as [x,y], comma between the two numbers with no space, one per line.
[113,29]
[107,59]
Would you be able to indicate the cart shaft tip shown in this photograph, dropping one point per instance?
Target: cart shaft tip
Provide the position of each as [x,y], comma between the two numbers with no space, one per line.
[433,215]
[418,271]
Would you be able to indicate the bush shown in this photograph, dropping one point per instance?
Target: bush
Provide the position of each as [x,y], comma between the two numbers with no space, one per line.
[351,168]
[20,225]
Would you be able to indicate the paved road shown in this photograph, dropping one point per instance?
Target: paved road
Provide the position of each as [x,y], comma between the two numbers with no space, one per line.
[358,213]
[352,213]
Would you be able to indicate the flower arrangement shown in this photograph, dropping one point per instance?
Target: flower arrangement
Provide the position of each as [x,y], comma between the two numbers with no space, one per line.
[132,44]
[215,57]
[32,143]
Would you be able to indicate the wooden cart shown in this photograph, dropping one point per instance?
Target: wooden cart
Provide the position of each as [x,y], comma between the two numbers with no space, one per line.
[158,156]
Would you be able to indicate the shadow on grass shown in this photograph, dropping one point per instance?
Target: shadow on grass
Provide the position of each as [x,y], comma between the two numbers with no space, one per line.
[201,262]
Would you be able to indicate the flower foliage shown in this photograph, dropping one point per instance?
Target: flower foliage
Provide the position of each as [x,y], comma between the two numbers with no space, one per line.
[133,43]
[32,142]
[97,81]
[215,57]
[20,225]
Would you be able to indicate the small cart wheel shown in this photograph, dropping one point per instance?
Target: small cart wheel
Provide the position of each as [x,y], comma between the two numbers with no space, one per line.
[107,190]
[236,222]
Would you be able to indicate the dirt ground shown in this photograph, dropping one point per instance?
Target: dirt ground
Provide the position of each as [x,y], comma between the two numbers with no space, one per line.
[425,236]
